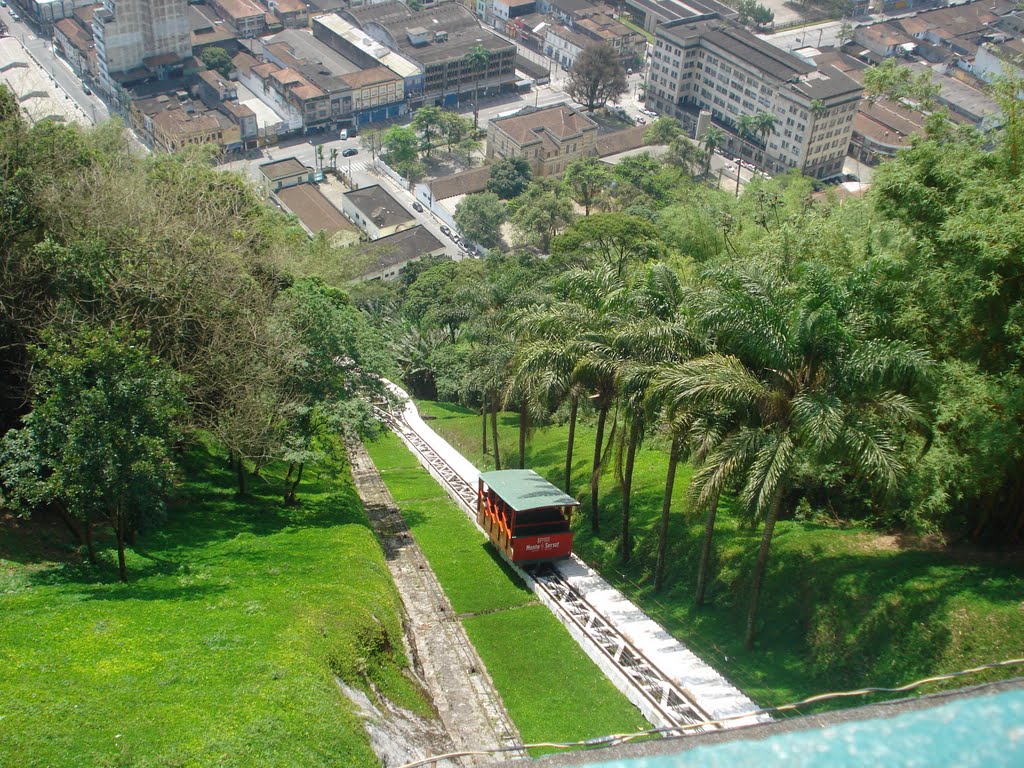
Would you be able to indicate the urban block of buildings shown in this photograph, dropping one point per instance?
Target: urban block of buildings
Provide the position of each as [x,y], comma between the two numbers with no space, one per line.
[709,63]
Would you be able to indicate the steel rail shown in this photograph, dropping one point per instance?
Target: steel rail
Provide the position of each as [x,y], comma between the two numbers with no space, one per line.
[673,704]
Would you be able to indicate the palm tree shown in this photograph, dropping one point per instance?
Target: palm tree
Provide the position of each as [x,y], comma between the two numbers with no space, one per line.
[655,334]
[797,385]
[746,128]
[478,58]
[714,137]
[764,124]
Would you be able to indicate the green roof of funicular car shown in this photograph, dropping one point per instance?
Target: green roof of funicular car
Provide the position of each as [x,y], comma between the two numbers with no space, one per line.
[524,489]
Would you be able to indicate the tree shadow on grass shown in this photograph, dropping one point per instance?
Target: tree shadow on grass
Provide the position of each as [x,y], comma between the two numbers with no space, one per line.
[206,510]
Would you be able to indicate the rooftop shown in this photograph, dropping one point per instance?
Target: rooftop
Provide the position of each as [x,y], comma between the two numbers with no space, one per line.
[240,9]
[464,31]
[524,489]
[378,206]
[671,10]
[282,169]
[559,121]
[407,245]
[315,211]
[462,183]
[307,50]
[571,36]
[370,76]
[207,28]
[393,60]
[76,34]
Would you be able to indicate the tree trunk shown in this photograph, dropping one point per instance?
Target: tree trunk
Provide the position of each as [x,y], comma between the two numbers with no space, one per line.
[494,433]
[90,547]
[524,425]
[71,523]
[240,471]
[573,409]
[287,482]
[595,474]
[705,553]
[759,569]
[121,566]
[666,508]
[483,414]
[635,430]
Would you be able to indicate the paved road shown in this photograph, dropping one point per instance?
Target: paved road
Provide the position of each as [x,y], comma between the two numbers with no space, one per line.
[59,70]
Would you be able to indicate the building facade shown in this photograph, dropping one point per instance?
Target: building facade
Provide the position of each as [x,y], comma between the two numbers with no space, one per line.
[710,63]
[548,139]
[132,35]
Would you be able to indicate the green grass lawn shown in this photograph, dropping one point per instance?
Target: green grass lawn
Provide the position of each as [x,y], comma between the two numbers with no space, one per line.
[552,690]
[222,648]
[841,608]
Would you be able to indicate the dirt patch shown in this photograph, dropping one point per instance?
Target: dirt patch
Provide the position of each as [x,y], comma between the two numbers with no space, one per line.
[397,735]
[900,542]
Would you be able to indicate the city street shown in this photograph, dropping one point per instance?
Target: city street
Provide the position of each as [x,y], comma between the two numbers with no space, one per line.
[60,72]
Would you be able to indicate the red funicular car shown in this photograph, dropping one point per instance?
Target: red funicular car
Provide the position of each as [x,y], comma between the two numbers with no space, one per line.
[525,516]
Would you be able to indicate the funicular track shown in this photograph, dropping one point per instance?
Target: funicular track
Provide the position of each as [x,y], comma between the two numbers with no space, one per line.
[672,706]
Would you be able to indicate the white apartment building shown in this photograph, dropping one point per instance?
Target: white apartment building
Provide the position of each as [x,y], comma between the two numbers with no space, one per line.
[707,62]
[131,34]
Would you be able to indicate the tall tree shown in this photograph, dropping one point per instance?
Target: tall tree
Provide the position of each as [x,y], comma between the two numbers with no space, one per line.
[372,140]
[799,384]
[479,59]
[509,178]
[539,214]
[480,216]
[428,120]
[585,180]
[714,138]
[663,130]
[400,145]
[99,437]
[218,59]
[596,77]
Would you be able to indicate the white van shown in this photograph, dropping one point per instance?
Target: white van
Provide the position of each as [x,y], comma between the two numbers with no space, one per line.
[344,134]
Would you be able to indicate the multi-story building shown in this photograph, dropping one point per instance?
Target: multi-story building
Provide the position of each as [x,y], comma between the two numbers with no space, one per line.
[50,11]
[650,13]
[564,45]
[629,45]
[291,13]
[548,139]
[246,16]
[352,43]
[76,44]
[710,63]
[140,39]
[438,41]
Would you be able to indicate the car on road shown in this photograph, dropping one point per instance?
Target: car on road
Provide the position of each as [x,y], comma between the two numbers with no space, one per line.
[445,230]
[87,89]
[648,112]
[641,121]
[3,3]
[15,17]
[417,207]
[456,239]
[350,152]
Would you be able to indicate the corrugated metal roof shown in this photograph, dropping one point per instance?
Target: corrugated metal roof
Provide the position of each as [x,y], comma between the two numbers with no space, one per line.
[524,489]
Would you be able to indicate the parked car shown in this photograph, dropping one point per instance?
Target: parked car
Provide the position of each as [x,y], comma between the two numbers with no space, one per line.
[350,152]
[3,3]
[456,239]
[445,230]
[641,121]
[88,91]
[648,112]
[417,207]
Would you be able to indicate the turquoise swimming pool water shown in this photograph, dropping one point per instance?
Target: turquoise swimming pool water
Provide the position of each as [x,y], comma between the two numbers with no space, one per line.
[983,731]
